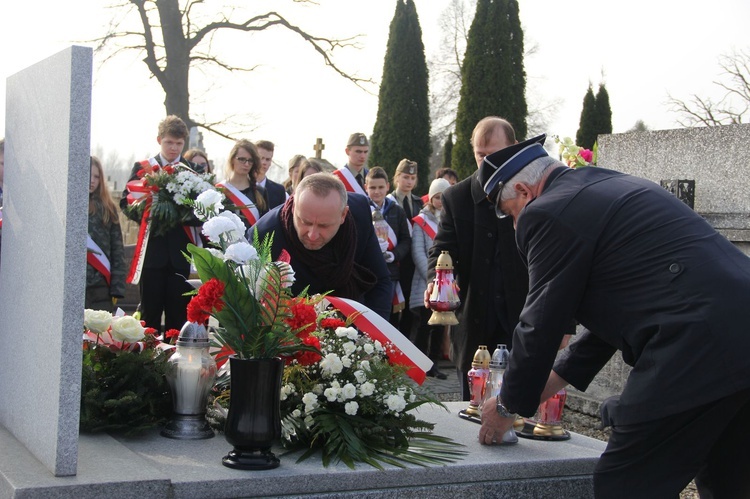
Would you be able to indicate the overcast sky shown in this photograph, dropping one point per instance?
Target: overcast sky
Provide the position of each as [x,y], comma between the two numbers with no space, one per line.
[645,50]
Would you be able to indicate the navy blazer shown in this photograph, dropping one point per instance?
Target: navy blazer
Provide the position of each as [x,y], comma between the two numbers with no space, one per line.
[275,194]
[367,253]
[645,275]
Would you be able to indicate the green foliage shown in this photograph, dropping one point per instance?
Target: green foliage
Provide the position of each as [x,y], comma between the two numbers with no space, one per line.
[402,127]
[124,392]
[587,131]
[255,302]
[493,77]
[603,121]
[448,151]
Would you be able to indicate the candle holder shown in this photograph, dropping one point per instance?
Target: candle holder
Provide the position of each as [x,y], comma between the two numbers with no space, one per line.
[444,296]
[191,375]
[477,378]
[547,422]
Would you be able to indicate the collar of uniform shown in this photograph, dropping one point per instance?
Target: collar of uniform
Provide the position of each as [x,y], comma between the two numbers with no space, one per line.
[477,192]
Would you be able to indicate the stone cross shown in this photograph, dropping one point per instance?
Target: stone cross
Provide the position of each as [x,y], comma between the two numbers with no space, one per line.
[319,146]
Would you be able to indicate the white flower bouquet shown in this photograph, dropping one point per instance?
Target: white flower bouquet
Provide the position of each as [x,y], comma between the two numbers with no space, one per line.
[352,405]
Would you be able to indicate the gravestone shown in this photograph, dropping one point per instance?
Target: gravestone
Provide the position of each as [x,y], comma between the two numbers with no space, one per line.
[717,159]
[43,269]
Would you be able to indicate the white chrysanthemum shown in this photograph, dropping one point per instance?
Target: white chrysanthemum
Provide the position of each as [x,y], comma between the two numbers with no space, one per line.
[331,364]
[366,389]
[342,332]
[395,403]
[346,361]
[349,391]
[331,394]
[351,408]
[365,365]
[369,348]
[210,201]
[379,346]
[241,252]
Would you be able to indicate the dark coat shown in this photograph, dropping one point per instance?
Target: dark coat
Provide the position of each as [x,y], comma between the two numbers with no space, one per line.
[470,232]
[109,239]
[367,253]
[396,218]
[645,275]
[275,194]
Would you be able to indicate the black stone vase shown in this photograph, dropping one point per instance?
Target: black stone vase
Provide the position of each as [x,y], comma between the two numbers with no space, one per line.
[253,422]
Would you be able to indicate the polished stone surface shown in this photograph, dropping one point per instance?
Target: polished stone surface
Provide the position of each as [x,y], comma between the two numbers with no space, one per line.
[43,269]
[153,466]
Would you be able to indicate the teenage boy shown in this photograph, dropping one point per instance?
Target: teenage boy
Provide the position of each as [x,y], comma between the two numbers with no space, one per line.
[404,181]
[399,239]
[353,173]
[275,192]
[165,269]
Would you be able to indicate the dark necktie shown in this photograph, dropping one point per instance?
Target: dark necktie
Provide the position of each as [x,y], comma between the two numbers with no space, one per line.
[359,180]
[407,207]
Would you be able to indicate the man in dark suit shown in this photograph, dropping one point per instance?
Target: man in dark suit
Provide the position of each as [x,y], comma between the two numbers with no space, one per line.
[330,240]
[645,275]
[275,192]
[490,274]
[165,269]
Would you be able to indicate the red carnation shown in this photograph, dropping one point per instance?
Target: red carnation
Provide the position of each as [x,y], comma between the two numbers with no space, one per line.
[309,358]
[303,319]
[208,299]
[169,169]
[332,323]
[284,257]
[172,333]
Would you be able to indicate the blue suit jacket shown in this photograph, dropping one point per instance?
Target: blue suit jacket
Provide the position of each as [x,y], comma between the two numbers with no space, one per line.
[645,275]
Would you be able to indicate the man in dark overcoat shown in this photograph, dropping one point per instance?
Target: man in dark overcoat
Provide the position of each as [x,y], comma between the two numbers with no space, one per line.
[646,275]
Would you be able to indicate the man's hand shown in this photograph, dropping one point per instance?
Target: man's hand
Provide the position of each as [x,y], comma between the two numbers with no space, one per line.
[389,257]
[493,425]
[427,293]
[383,246]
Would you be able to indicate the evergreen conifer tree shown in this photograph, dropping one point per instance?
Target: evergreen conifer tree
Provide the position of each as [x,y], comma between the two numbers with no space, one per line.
[402,127]
[493,77]
[448,151]
[603,111]
[587,132]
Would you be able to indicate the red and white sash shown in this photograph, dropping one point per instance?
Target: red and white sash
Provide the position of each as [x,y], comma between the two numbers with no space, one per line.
[345,175]
[137,189]
[246,206]
[97,259]
[377,328]
[428,226]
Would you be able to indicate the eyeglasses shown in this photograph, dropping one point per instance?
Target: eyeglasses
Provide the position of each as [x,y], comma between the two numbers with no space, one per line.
[245,161]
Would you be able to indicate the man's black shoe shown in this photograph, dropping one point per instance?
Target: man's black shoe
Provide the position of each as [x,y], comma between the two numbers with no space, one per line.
[434,373]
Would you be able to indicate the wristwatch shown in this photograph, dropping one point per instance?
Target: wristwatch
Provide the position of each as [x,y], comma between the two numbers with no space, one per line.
[502,411]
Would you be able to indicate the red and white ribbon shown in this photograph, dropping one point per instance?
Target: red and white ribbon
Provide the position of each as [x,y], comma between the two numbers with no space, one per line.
[349,181]
[246,206]
[137,190]
[428,226]
[97,259]
[377,328]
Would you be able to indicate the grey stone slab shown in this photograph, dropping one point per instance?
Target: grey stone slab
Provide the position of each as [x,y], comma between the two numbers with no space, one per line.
[48,114]
[140,467]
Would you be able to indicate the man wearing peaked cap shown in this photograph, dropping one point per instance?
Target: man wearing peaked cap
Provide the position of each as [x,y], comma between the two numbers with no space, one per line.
[646,275]
[354,172]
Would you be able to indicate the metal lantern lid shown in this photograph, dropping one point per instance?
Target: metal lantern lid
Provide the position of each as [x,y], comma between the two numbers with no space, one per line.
[444,261]
[193,334]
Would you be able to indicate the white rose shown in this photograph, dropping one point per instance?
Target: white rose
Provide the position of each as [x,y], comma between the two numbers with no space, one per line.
[127,329]
[369,348]
[241,252]
[349,348]
[396,403]
[360,376]
[96,321]
[346,361]
[349,391]
[331,394]
[351,408]
[367,389]
[365,365]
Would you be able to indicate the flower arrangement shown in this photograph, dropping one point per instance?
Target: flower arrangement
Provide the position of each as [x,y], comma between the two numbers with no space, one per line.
[169,194]
[575,156]
[123,386]
[349,403]
[247,293]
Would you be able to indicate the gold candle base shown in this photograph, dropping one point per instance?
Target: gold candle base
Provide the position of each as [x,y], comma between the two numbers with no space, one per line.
[442,319]
[549,430]
[519,423]
[473,410]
